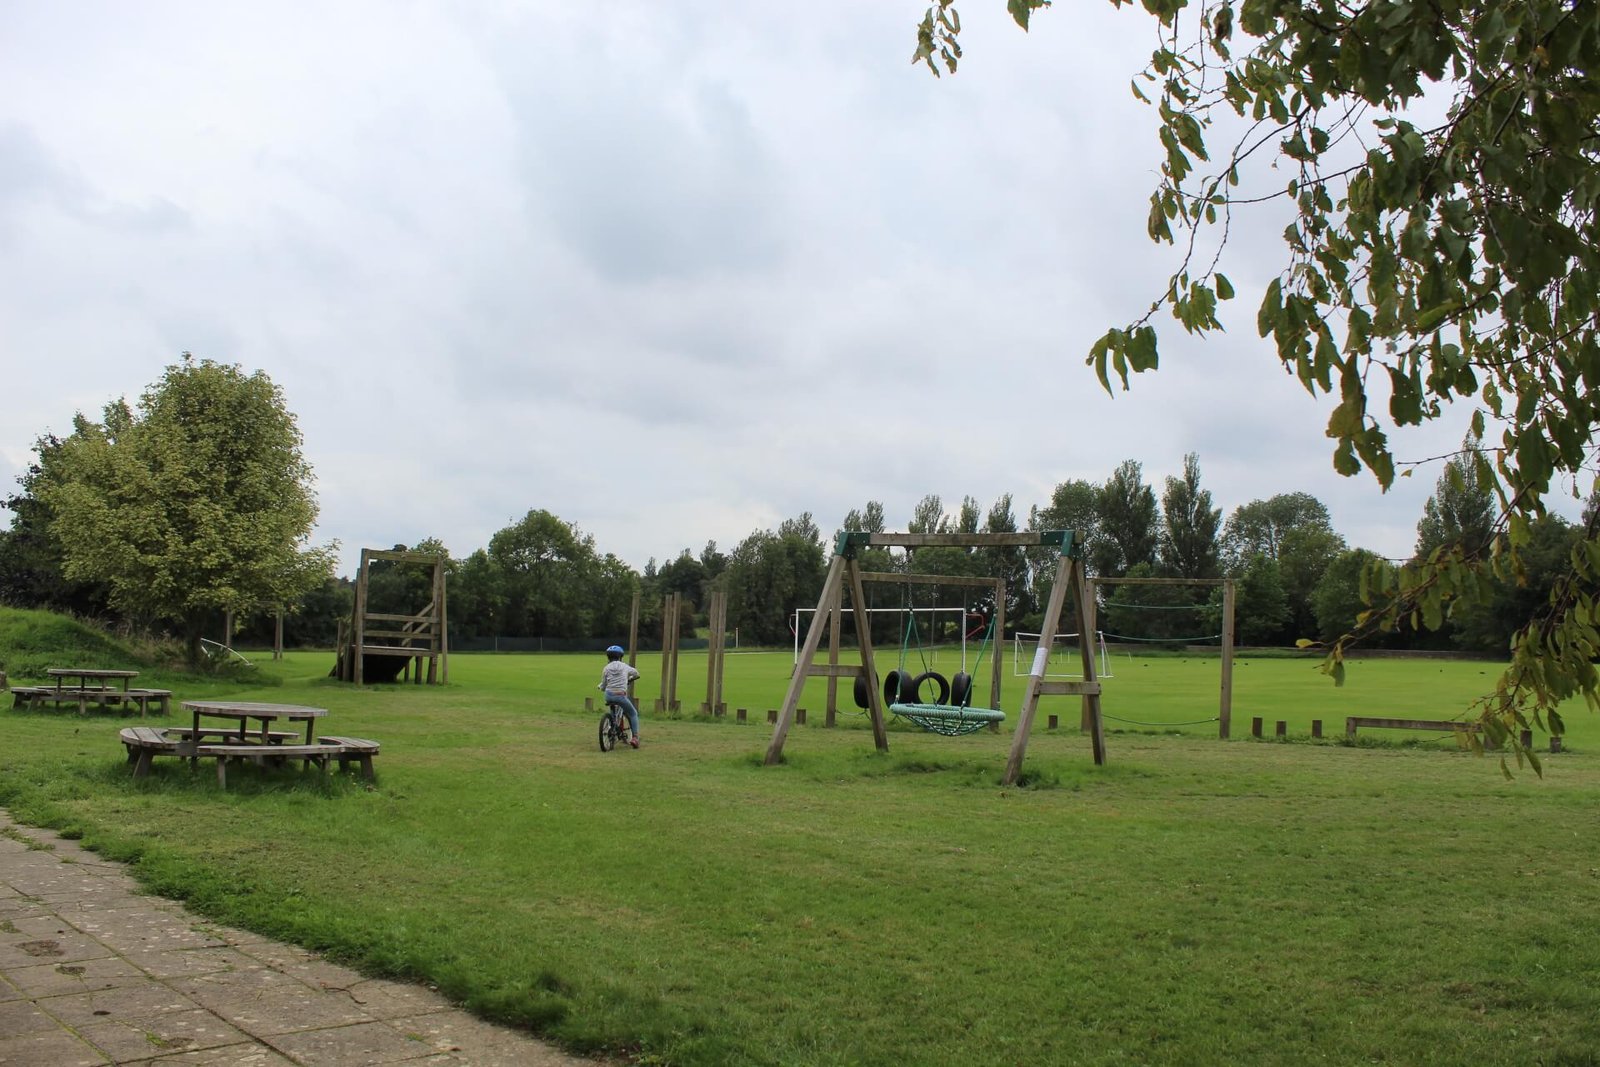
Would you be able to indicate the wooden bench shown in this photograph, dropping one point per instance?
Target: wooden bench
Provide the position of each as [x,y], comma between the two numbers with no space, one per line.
[24,696]
[359,749]
[1354,722]
[144,744]
[227,734]
[37,696]
[161,698]
[313,753]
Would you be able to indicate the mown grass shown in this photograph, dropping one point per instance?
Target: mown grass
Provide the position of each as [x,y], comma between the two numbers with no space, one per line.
[1190,902]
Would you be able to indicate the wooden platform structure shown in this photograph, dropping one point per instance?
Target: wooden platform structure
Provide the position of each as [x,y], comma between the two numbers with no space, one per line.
[377,646]
[844,573]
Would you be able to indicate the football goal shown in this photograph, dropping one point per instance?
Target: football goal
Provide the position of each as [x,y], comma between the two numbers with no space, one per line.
[1064,661]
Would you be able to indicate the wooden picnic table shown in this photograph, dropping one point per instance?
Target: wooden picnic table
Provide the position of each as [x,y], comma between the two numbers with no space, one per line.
[89,679]
[92,684]
[242,711]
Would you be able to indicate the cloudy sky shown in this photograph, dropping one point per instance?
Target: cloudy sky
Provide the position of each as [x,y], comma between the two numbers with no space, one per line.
[674,272]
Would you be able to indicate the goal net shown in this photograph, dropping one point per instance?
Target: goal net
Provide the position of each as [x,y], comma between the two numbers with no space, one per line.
[1064,661]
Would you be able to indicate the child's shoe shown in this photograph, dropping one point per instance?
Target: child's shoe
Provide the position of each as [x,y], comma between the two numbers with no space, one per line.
[634,741]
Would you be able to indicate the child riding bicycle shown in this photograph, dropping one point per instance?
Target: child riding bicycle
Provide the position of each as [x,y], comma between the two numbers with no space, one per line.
[615,678]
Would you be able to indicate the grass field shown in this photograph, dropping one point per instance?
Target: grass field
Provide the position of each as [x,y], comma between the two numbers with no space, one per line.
[1191,902]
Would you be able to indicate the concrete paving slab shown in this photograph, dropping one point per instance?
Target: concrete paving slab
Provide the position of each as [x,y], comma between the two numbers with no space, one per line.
[93,972]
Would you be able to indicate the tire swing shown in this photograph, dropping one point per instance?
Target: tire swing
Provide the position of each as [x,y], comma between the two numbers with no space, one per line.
[950,714]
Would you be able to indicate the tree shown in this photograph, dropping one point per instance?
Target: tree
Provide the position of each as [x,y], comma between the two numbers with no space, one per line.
[1010,564]
[1074,505]
[1259,527]
[1461,511]
[200,502]
[1128,522]
[1451,261]
[31,557]
[1262,610]
[549,577]
[1294,531]
[770,574]
[1188,546]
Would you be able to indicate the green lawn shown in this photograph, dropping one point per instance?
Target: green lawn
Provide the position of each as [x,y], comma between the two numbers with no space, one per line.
[1191,902]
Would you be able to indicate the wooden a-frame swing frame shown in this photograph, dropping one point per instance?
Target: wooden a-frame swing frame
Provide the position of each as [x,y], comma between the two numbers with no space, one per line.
[844,572]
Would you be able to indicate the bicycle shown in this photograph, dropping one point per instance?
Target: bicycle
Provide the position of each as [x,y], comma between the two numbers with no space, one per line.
[613,727]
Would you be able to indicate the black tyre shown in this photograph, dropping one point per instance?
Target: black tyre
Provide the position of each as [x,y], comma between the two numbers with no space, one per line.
[939,682]
[897,688]
[861,692]
[608,732]
[961,690]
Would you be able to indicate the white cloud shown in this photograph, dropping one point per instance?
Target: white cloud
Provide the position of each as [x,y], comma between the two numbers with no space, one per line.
[672,278]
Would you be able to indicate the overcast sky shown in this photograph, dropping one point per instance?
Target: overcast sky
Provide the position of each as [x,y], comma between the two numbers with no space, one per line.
[674,272]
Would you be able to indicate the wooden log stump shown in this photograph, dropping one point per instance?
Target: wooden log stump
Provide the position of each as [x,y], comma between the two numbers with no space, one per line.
[1255,726]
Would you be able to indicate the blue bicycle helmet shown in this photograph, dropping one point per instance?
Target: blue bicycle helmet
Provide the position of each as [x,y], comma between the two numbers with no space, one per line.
[618,649]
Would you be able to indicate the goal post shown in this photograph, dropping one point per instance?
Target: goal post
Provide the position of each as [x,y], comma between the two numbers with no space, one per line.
[1063,662]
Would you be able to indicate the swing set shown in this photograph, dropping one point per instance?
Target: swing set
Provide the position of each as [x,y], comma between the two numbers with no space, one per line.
[952,712]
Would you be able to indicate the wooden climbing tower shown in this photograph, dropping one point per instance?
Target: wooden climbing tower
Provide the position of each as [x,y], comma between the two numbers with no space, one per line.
[379,647]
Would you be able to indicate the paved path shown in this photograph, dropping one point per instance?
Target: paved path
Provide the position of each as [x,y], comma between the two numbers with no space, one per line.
[92,972]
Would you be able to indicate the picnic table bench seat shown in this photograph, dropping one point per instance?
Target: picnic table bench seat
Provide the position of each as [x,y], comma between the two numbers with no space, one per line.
[359,749]
[223,734]
[38,696]
[144,698]
[23,696]
[144,743]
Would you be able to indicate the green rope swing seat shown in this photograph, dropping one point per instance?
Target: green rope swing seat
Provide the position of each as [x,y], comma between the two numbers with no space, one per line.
[948,719]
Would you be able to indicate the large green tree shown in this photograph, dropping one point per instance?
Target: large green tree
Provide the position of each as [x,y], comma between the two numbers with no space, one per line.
[1439,161]
[1188,543]
[1294,531]
[198,502]
[1129,523]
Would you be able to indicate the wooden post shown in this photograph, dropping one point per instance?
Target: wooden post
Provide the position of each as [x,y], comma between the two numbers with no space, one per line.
[588,703]
[772,715]
[829,719]
[277,634]
[800,716]
[1527,739]
[716,617]
[797,680]
[633,643]
[1555,742]
[858,607]
[444,627]
[833,657]
[1316,728]
[999,642]
[360,620]
[1255,726]
[1225,709]
[1091,601]
[740,713]
[1052,722]
[670,611]
[1069,572]
[1282,729]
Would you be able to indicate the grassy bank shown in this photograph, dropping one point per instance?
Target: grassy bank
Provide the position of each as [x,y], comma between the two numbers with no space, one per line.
[1191,902]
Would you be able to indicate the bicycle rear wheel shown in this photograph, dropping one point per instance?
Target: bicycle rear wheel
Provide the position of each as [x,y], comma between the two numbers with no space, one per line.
[608,732]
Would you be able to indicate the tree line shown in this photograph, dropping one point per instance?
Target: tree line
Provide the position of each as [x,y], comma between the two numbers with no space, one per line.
[197,503]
